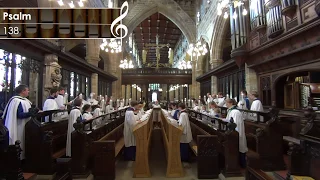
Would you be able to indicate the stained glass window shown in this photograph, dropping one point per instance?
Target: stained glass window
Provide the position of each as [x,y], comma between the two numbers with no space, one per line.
[72,84]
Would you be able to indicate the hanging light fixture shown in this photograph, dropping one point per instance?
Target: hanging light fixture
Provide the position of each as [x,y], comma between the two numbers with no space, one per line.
[71,3]
[112,45]
[197,50]
[125,64]
[224,6]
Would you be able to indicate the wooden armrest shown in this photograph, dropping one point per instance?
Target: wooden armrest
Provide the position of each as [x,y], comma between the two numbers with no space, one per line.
[59,154]
[119,145]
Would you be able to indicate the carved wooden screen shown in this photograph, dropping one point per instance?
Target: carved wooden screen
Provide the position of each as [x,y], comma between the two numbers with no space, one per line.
[232,83]
[205,88]
[265,90]
[104,87]
[16,69]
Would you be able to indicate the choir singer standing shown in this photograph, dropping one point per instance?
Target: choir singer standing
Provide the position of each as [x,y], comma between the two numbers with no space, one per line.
[129,123]
[186,136]
[236,115]
[16,114]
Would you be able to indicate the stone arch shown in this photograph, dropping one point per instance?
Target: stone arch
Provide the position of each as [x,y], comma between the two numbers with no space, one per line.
[219,31]
[69,44]
[141,11]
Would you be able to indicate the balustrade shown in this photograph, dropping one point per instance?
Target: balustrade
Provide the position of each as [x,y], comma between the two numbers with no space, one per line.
[153,71]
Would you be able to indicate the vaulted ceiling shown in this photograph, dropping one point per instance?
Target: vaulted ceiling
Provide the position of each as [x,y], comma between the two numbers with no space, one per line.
[146,32]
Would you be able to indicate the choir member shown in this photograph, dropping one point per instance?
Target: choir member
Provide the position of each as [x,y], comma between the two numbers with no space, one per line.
[122,103]
[92,100]
[196,106]
[129,123]
[141,110]
[175,111]
[50,103]
[256,105]
[96,111]
[156,105]
[60,98]
[16,114]
[214,110]
[86,112]
[75,113]
[204,109]
[186,136]
[221,99]
[236,115]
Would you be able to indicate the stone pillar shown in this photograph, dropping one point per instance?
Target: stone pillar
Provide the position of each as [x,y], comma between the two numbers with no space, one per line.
[52,76]
[92,57]
[94,83]
[214,80]
[115,70]
[123,89]
[251,79]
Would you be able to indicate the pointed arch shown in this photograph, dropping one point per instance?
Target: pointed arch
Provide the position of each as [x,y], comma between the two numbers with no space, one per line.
[219,32]
[140,12]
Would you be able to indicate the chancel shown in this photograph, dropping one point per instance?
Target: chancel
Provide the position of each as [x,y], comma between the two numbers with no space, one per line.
[191,89]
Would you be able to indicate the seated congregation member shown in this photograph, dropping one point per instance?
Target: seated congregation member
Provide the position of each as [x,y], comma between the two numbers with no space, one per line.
[236,115]
[186,136]
[16,114]
[129,123]
[75,113]
[256,105]
[214,110]
[175,111]
[50,103]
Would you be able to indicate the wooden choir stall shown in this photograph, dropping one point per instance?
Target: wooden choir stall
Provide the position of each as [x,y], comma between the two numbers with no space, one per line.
[142,133]
[216,145]
[171,133]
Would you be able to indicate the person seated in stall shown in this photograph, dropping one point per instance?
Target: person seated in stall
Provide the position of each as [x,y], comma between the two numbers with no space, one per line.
[196,106]
[214,110]
[175,111]
[186,136]
[51,104]
[75,113]
[96,109]
[236,115]
[130,121]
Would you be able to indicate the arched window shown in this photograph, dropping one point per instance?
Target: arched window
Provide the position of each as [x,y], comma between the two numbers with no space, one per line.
[154,96]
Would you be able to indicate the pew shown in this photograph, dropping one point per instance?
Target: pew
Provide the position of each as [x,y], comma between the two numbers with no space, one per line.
[142,133]
[11,164]
[304,158]
[95,148]
[171,133]
[44,143]
[216,145]
[261,135]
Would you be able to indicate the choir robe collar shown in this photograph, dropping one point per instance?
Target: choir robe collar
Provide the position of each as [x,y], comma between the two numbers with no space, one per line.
[232,108]
[256,99]
[50,97]
[131,109]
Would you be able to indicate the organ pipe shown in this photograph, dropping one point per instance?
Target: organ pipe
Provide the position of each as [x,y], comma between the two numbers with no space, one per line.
[289,7]
[274,19]
[238,27]
[257,14]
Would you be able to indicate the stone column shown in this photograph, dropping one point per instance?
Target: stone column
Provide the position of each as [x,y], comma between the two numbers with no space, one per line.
[251,79]
[92,57]
[52,76]
[115,70]
[214,80]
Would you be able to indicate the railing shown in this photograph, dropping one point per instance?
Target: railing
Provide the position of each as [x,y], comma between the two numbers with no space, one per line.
[170,71]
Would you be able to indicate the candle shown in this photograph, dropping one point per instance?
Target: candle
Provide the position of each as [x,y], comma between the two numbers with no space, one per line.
[227,96]
[100,97]
[65,98]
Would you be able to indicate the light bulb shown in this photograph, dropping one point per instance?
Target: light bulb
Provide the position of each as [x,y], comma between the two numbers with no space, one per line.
[225,15]
[106,50]
[80,3]
[60,3]
[235,15]
[71,4]
[112,51]
[102,48]
[244,12]
[219,12]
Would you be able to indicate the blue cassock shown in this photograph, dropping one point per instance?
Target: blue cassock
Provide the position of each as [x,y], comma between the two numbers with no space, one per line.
[175,115]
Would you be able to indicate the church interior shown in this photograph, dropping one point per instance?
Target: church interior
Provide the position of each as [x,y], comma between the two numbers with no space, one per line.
[197,89]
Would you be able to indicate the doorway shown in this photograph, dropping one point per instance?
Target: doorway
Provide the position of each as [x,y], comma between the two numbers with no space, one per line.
[154,96]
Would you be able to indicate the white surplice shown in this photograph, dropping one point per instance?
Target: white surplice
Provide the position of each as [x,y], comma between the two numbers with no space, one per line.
[74,114]
[129,123]
[196,108]
[59,101]
[16,126]
[186,136]
[256,106]
[221,101]
[50,104]
[97,112]
[242,105]
[238,120]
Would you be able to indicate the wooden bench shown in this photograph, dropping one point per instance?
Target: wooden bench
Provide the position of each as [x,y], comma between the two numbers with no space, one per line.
[44,144]
[261,135]
[89,145]
[11,165]
[256,174]
[215,144]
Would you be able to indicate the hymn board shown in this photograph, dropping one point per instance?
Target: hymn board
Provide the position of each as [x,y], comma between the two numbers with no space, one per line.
[63,23]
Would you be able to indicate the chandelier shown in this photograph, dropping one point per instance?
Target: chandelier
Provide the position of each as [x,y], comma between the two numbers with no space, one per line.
[223,6]
[125,64]
[113,46]
[197,50]
[185,65]
[137,87]
[72,4]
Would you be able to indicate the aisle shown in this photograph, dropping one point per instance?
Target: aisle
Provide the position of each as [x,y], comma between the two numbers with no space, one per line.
[124,169]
